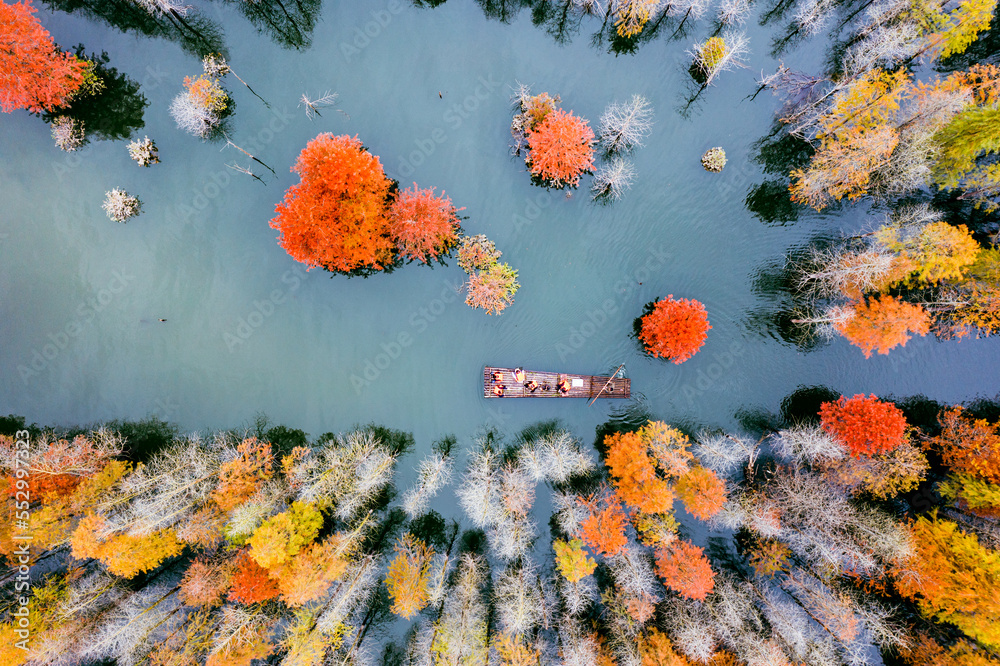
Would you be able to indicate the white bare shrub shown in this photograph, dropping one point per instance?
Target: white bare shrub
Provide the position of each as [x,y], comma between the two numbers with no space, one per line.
[591,7]
[720,54]
[578,596]
[346,472]
[613,179]
[166,490]
[511,538]
[249,515]
[433,474]
[350,594]
[480,494]
[577,646]
[68,133]
[461,628]
[144,152]
[120,205]
[691,629]
[632,572]
[438,577]
[832,272]
[554,458]
[807,444]
[127,633]
[811,15]
[569,511]
[733,12]
[518,599]
[723,453]
[313,106]
[624,125]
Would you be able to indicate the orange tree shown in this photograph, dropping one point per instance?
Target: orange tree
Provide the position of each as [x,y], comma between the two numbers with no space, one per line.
[424,226]
[560,149]
[33,74]
[673,329]
[883,323]
[865,426]
[335,218]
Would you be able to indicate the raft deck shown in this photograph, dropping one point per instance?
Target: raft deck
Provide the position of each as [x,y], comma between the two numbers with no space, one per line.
[581,386]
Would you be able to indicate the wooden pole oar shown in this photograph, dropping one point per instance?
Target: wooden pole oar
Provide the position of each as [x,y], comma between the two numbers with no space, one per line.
[615,374]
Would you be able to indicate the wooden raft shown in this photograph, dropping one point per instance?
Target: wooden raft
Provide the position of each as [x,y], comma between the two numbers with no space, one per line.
[581,386]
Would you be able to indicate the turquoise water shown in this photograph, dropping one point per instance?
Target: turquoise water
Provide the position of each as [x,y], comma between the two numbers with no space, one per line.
[247,330]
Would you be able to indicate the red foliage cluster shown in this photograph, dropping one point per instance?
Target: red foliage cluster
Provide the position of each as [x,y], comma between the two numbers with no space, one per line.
[335,217]
[969,445]
[675,329]
[33,74]
[560,148]
[685,570]
[424,226]
[250,582]
[866,426]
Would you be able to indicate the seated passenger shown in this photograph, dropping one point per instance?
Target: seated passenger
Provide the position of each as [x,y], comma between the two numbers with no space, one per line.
[498,390]
[498,376]
[532,386]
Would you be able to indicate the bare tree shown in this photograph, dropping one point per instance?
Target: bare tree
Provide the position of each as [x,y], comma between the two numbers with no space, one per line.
[120,205]
[612,180]
[433,474]
[624,125]
[733,12]
[68,133]
[720,54]
[313,106]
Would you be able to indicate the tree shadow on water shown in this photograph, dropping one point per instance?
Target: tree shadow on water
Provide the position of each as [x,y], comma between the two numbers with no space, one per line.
[115,112]
[289,23]
[195,34]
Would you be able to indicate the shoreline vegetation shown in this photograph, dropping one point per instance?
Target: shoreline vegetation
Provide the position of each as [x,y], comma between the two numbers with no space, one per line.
[837,526]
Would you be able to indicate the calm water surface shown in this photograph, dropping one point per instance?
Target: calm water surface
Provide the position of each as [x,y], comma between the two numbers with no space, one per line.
[321,354]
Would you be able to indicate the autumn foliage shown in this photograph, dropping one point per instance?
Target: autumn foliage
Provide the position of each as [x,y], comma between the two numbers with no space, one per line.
[408,576]
[685,570]
[424,226]
[124,555]
[969,445]
[33,74]
[335,218]
[634,473]
[865,426]
[675,329]
[572,561]
[603,531]
[241,477]
[702,492]
[250,582]
[953,578]
[883,322]
[560,149]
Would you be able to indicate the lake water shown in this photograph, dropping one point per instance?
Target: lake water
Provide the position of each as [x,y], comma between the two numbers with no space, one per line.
[247,330]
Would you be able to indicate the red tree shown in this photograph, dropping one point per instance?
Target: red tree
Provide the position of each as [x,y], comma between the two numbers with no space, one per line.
[866,426]
[882,323]
[560,148]
[685,570]
[250,582]
[424,226]
[675,329]
[33,74]
[336,217]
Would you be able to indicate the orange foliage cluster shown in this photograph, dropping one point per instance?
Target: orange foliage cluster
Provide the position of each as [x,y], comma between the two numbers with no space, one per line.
[883,322]
[604,529]
[241,477]
[769,556]
[675,329]
[685,569]
[424,226]
[341,216]
[953,578]
[635,475]
[969,445]
[864,425]
[335,217]
[33,74]
[250,581]
[702,492]
[204,583]
[124,555]
[308,575]
[655,649]
[560,148]
[408,576]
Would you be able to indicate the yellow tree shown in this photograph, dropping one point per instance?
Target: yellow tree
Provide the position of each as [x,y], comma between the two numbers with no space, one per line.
[572,561]
[409,576]
[937,251]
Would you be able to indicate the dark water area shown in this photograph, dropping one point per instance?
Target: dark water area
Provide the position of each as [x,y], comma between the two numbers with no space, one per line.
[426,88]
